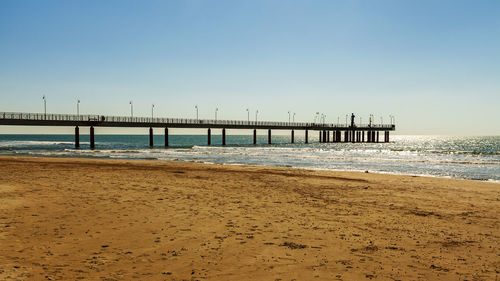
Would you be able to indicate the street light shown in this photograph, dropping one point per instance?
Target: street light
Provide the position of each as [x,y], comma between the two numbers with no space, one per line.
[293,117]
[338,120]
[248,115]
[131,109]
[360,120]
[256,112]
[152,109]
[381,120]
[196,106]
[346,120]
[316,116]
[78,108]
[216,109]
[288,117]
[44,107]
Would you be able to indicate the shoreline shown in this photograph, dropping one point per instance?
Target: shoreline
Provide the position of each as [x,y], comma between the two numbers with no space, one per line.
[256,165]
[74,218]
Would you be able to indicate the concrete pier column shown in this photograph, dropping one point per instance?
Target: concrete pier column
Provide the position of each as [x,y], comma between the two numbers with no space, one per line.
[307,136]
[346,136]
[377,136]
[327,136]
[92,139]
[166,137]
[387,136]
[293,136]
[362,136]
[368,136]
[254,136]
[209,137]
[320,135]
[77,137]
[324,136]
[373,136]
[269,136]
[224,136]
[150,137]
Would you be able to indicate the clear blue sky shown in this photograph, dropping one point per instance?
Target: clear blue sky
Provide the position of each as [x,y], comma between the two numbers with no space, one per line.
[435,65]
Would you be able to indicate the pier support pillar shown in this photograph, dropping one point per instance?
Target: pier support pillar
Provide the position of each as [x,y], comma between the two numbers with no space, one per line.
[346,137]
[269,136]
[254,136]
[166,137]
[224,136]
[293,136]
[77,137]
[387,136]
[362,136]
[377,135]
[307,136]
[92,139]
[324,136]
[209,137]
[327,136]
[150,136]
[320,136]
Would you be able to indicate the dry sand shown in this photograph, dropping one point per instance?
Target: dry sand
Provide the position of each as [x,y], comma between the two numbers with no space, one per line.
[70,219]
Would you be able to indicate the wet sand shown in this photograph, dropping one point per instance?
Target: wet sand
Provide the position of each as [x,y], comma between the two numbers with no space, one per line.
[71,219]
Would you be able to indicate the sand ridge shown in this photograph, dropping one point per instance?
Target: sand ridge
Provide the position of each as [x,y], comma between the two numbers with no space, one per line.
[148,220]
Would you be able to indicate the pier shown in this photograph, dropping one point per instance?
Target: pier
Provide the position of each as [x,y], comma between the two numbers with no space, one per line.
[327,132]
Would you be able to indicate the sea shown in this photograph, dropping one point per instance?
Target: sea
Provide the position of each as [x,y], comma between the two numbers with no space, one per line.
[473,158]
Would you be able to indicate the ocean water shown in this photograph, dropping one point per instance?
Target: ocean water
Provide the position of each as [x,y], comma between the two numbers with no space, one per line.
[476,158]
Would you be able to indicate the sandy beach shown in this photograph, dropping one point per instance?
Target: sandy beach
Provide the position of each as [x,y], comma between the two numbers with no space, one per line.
[72,219]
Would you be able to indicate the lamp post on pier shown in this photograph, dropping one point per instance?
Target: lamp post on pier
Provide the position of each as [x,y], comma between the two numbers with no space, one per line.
[131,109]
[216,109]
[44,107]
[196,106]
[152,111]
[316,117]
[248,115]
[288,117]
[78,109]
[256,113]
[293,119]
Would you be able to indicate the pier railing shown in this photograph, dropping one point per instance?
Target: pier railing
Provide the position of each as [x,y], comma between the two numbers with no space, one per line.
[160,120]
